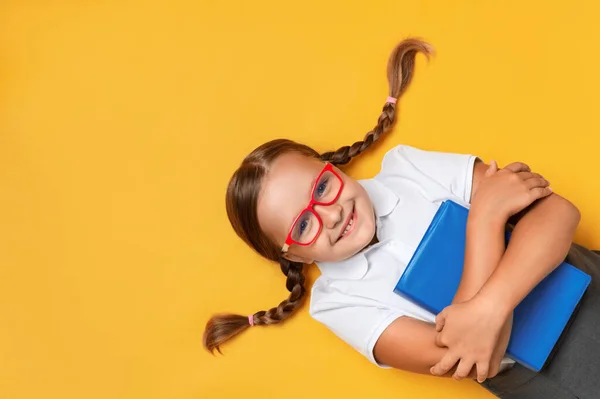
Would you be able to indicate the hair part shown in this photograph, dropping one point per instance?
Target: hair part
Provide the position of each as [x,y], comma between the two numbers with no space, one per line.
[245,185]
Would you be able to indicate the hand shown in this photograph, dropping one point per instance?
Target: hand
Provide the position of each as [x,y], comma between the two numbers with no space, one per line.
[506,192]
[470,330]
[500,350]
[497,355]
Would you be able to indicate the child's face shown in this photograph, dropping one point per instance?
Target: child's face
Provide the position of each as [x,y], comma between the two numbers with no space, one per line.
[286,192]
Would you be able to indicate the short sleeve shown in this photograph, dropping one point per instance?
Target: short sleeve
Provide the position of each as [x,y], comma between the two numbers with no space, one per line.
[454,172]
[359,325]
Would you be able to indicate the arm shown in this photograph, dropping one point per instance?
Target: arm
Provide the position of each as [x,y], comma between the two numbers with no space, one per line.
[409,344]
[484,249]
[484,246]
[539,243]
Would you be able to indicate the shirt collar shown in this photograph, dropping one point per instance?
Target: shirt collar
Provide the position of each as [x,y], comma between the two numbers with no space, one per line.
[354,268]
[384,200]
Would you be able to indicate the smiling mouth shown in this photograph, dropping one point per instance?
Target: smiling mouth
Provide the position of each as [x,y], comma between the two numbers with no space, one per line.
[349,226]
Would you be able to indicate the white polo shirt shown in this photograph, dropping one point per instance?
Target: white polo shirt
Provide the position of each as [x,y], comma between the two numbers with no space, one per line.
[354,298]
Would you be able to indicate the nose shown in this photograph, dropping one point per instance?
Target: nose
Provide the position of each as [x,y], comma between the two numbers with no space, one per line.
[330,214]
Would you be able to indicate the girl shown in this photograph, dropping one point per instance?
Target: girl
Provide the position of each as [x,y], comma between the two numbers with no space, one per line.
[294,206]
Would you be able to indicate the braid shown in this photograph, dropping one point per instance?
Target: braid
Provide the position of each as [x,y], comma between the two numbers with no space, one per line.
[344,154]
[399,73]
[295,285]
[221,328]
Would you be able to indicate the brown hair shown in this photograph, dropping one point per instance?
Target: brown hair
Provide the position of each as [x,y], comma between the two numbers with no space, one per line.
[245,184]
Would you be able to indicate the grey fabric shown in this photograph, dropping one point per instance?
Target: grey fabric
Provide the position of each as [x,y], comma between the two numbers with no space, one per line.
[574,368]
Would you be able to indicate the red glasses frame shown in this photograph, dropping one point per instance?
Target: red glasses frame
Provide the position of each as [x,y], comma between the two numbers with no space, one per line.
[289,240]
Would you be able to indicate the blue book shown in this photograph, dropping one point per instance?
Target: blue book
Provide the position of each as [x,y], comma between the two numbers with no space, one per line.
[433,275]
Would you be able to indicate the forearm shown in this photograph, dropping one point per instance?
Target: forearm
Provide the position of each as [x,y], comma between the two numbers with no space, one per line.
[539,243]
[409,344]
[485,246]
[484,249]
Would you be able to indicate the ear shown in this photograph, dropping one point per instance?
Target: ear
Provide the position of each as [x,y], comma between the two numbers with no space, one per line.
[295,258]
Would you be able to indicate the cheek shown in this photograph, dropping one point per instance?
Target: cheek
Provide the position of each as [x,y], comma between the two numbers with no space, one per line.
[314,251]
[355,192]
[366,214]
[321,246]
[320,250]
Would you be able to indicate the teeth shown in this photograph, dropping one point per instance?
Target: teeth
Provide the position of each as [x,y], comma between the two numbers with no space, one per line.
[347,228]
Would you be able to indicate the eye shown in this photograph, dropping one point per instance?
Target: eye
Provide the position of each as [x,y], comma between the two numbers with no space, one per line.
[302,226]
[321,187]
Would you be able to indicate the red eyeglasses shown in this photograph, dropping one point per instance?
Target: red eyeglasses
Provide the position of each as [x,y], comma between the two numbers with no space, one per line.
[308,225]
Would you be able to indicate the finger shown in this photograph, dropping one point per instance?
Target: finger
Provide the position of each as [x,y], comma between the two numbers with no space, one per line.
[493,168]
[493,371]
[440,320]
[463,369]
[438,340]
[540,192]
[536,182]
[518,167]
[482,371]
[529,175]
[445,364]
[526,176]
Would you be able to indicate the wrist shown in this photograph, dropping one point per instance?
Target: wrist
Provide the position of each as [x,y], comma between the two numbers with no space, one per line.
[479,216]
[494,302]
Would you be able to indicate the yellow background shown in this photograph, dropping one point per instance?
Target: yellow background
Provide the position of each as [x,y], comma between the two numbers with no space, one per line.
[121,122]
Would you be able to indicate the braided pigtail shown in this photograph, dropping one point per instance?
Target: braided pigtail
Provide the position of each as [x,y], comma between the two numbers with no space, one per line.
[399,73]
[221,328]
[295,285]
